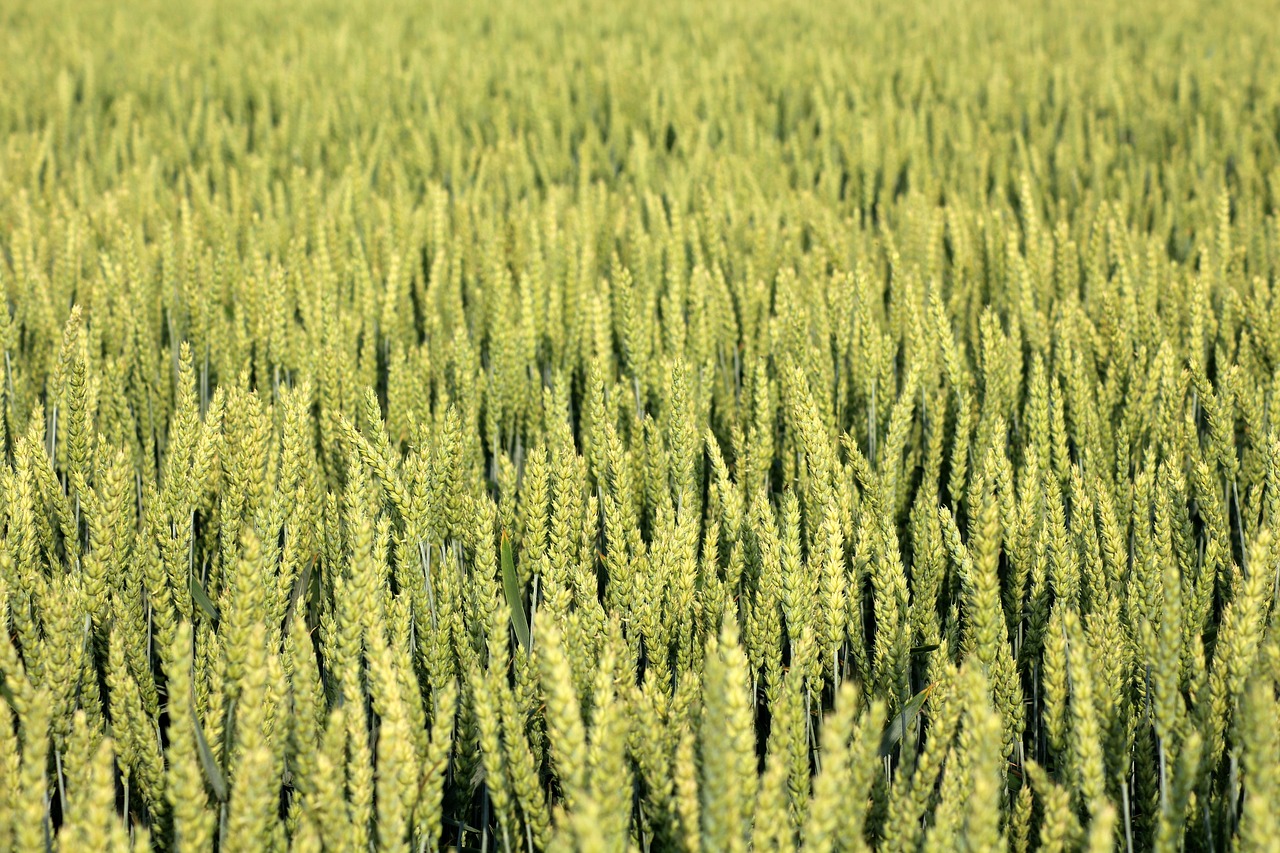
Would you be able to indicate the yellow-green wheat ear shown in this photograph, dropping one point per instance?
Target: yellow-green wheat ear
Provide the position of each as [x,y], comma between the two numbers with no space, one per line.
[637,427]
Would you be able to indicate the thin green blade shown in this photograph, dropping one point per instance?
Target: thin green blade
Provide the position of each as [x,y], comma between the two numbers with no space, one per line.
[202,600]
[511,586]
[211,770]
[300,588]
[902,721]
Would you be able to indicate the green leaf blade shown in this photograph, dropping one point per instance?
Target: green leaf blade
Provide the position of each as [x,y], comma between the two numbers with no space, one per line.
[511,586]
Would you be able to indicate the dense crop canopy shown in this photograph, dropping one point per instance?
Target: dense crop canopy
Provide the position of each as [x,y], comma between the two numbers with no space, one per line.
[655,426]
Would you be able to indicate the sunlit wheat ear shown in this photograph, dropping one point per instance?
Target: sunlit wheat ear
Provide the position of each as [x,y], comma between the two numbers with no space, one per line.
[727,744]
[192,766]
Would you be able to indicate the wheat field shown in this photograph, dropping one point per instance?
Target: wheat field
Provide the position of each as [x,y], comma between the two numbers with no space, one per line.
[499,426]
